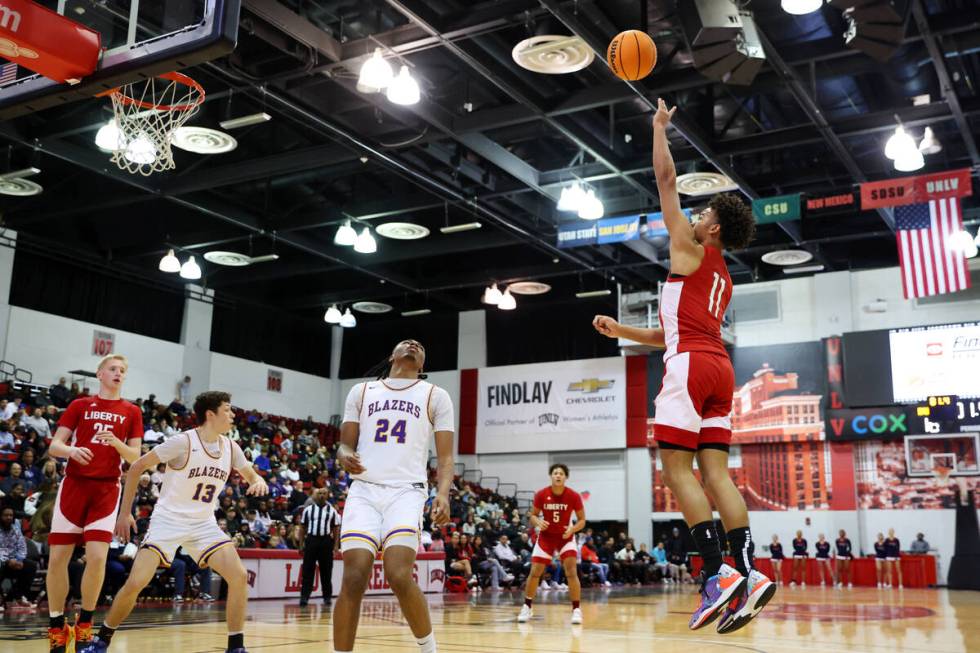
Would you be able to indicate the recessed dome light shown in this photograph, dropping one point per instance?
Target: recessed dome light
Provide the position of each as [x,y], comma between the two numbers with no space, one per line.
[402,231]
[202,140]
[374,308]
[529,288]
[787,257]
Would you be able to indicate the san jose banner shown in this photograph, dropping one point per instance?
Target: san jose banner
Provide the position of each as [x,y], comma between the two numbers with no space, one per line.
[552,406]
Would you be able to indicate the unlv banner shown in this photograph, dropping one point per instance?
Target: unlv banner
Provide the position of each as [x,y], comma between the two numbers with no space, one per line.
[552,406]
[916,190]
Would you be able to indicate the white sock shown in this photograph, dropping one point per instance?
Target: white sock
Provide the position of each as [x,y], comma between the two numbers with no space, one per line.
[427,644]
[55,615]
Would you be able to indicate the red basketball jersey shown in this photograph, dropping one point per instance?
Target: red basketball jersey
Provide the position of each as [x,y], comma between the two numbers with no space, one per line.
[692,307]
[557,509]
[88,416]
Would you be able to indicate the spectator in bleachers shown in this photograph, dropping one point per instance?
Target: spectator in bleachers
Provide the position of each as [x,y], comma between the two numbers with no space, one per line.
[503,552]
[182,567]
[590,562]
[8,409]
[35,421]
[15,477]
[607,556]
[487,563]
[14,563]
[152,435]
[244,538]
[256,527]
[8,444]
[146,492]
[659,555]
[458,559]
[469,527]
[59,393]
[29,470]
[919,545]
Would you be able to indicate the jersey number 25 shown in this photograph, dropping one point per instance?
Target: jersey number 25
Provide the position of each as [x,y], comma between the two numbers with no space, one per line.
[397,431]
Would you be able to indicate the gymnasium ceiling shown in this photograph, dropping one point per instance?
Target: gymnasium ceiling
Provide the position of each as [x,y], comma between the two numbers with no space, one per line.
[492,142]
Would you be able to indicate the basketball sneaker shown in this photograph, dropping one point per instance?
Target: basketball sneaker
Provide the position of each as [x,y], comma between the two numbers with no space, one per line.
[59,639]
[96,645]
[577,616]
[526,613]
[759,590]
[716,591]
[83,635]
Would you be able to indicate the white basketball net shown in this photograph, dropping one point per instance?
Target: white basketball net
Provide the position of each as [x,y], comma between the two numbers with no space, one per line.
[147,113]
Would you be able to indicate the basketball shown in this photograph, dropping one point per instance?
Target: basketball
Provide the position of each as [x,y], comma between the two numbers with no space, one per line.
[632,55]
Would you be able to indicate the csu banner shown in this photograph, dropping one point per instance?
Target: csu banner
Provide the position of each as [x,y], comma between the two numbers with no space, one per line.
[776,209]
[552,406]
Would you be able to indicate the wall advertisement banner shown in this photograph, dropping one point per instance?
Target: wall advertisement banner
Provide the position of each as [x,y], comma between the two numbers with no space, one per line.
[281,576]
[552,406]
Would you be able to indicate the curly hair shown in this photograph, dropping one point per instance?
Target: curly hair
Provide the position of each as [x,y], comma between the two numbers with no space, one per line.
[735,218]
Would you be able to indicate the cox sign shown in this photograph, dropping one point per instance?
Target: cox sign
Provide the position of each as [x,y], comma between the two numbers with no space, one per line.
[867,423]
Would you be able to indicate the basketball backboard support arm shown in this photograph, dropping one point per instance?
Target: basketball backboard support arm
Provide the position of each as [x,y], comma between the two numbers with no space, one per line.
[213,36]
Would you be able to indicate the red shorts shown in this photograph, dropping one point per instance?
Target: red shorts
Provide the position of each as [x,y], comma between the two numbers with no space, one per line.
[85,511]
[545,549]
[695,403]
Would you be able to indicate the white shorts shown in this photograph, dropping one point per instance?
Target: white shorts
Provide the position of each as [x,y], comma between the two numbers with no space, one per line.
[200,539]
[379,516]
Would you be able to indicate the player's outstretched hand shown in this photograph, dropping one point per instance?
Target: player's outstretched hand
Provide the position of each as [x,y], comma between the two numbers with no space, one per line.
[125,525]
[663,115]
[257,489]
[351,462]
[567,535]
[606,326]
[440,510]
[539,523]
[82,455]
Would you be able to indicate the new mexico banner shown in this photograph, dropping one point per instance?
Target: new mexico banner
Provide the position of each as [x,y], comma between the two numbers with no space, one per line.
[552,406]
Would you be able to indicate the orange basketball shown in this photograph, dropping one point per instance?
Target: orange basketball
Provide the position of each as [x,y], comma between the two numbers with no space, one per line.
[632,55]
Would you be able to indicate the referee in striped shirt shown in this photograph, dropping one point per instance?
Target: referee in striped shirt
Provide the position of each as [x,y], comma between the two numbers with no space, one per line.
[321,526]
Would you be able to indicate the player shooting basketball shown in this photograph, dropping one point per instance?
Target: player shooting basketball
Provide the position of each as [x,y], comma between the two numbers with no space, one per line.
[693,409]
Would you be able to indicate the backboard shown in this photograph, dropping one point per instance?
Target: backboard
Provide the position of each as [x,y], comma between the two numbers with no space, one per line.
[140,38]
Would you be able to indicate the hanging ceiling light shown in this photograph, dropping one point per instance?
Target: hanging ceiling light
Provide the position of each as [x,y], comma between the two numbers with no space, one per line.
[507,301]
[909,161]
[365,243]
[899,143]
[141,150]
[170,262]
[109,138]
[332,316]
[346,236]
[190,269]
[591,208]
[376,74]
[404,89]
[492,295]
[348,321]
[800,7]
[930,144]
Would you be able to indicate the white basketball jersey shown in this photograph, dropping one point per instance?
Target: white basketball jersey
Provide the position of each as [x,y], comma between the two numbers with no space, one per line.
[191,490]
[395,428]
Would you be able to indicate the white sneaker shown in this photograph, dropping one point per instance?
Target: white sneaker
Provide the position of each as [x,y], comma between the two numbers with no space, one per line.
[562,586]
[508,578]
[525,615]
[607,584]
[803,584]
[879,586]
[850,585]
[577,616]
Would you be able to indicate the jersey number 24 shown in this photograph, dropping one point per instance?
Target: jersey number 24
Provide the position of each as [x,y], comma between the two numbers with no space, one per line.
[397,431]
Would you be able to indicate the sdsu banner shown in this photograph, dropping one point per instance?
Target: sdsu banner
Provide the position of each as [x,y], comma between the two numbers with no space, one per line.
[916,190]
[552,406]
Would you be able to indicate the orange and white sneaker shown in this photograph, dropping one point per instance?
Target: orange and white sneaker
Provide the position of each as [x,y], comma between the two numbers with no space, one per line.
[60,639]
[744,608]
[716,591]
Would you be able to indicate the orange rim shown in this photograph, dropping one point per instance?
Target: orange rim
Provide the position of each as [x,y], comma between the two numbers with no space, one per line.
[180,78]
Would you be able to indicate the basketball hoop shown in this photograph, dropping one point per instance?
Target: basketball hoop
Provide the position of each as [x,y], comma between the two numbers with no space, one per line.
[147,112]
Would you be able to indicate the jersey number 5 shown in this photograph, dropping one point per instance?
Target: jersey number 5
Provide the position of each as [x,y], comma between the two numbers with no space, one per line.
[206,495]
[397,431]
[714,297]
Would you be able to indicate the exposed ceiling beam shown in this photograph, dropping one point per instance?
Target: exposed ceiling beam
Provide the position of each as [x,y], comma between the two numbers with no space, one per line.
[296,26]
[422,16]
[936,53]
[816,114]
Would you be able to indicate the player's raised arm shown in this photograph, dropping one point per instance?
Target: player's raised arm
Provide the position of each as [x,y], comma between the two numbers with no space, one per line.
[684,249]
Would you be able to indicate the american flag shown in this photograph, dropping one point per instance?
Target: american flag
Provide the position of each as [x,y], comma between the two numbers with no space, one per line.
[8,73]
[929,265]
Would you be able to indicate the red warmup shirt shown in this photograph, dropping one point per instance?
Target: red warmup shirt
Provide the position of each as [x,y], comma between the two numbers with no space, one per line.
[87,416]
[692,307]
[557,509]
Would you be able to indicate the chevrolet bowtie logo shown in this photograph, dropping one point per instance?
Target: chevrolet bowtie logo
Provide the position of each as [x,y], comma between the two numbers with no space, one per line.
[591,385]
